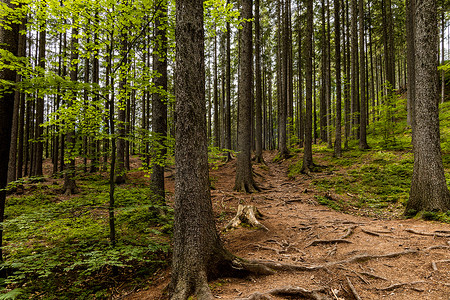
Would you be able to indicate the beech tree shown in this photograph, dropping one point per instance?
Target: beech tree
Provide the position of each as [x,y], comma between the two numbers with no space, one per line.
[429,191]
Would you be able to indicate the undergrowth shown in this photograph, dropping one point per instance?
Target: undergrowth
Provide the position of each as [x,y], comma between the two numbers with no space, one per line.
[58,247]
[378,179]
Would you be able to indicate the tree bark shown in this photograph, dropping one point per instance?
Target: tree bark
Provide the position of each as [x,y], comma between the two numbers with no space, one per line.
[429,191]
[9,40]
[337,43]
[362,81]
[244,177]
[198,253]
[258,91]
[307,156]
[159,115]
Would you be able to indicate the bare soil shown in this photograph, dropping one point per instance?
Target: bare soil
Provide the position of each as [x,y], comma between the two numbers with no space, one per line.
[348,255]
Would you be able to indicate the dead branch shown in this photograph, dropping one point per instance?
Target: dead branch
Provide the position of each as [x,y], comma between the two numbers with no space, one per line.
[349,232]
[399,285]
[318,294]
[332,241]
[352,288]
[433,263]
[356,273]
[427,233]
[246,214]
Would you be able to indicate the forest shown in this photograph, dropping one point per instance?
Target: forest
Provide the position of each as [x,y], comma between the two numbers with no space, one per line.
[265,149]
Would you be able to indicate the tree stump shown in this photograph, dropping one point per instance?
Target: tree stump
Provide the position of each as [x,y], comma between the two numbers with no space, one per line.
[246,214]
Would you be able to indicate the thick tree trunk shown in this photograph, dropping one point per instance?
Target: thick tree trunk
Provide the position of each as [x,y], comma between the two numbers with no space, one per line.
[244,177]
[429,191]
[159,115]
[198,253]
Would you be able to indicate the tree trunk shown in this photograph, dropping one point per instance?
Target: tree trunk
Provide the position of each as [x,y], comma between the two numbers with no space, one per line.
[244,177]
[39,145]
[159,114]
[70,186]
[429,190]
[258,92]
[121,114]
[9,41]
[307,156]
[362,81]
[337,37]
[227,121]
[198,253]
[411,57]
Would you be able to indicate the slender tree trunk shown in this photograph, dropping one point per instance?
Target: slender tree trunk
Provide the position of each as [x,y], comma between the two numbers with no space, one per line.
[337,43]
[411,57]
[159,115]
[362,81]
[307,156]
[258,92]
[323,91]
[70,186]
[38,135]
[121,114]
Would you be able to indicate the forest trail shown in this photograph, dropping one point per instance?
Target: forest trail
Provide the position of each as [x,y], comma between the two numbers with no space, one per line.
[342,256]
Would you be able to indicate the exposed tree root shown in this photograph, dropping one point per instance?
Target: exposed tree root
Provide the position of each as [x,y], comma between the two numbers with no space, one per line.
[352,288]
[349,232]
[399,285]
[371,275]
[434,263]
[332,241]
[246,214]
[256,296]
[437,247]
[318,294]
[366,257]
[436,233]
[370,232]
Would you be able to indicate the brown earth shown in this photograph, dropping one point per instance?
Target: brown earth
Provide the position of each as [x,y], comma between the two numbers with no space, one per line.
[377,257]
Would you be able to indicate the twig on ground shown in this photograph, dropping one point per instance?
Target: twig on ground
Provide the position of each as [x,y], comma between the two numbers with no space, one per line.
[352,288]
[356,273]
[436,247]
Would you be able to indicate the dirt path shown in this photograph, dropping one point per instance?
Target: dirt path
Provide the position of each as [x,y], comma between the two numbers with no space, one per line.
[338,253]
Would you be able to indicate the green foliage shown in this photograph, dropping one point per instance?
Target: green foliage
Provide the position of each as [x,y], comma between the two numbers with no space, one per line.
[59,248]
[329,202]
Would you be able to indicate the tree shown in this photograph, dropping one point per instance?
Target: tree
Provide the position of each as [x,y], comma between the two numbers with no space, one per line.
[258,91]
[362,81]
[429,191]
[337,43]
[307,156]
[198,253]
[159,116]
[244,177]
[9,43]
